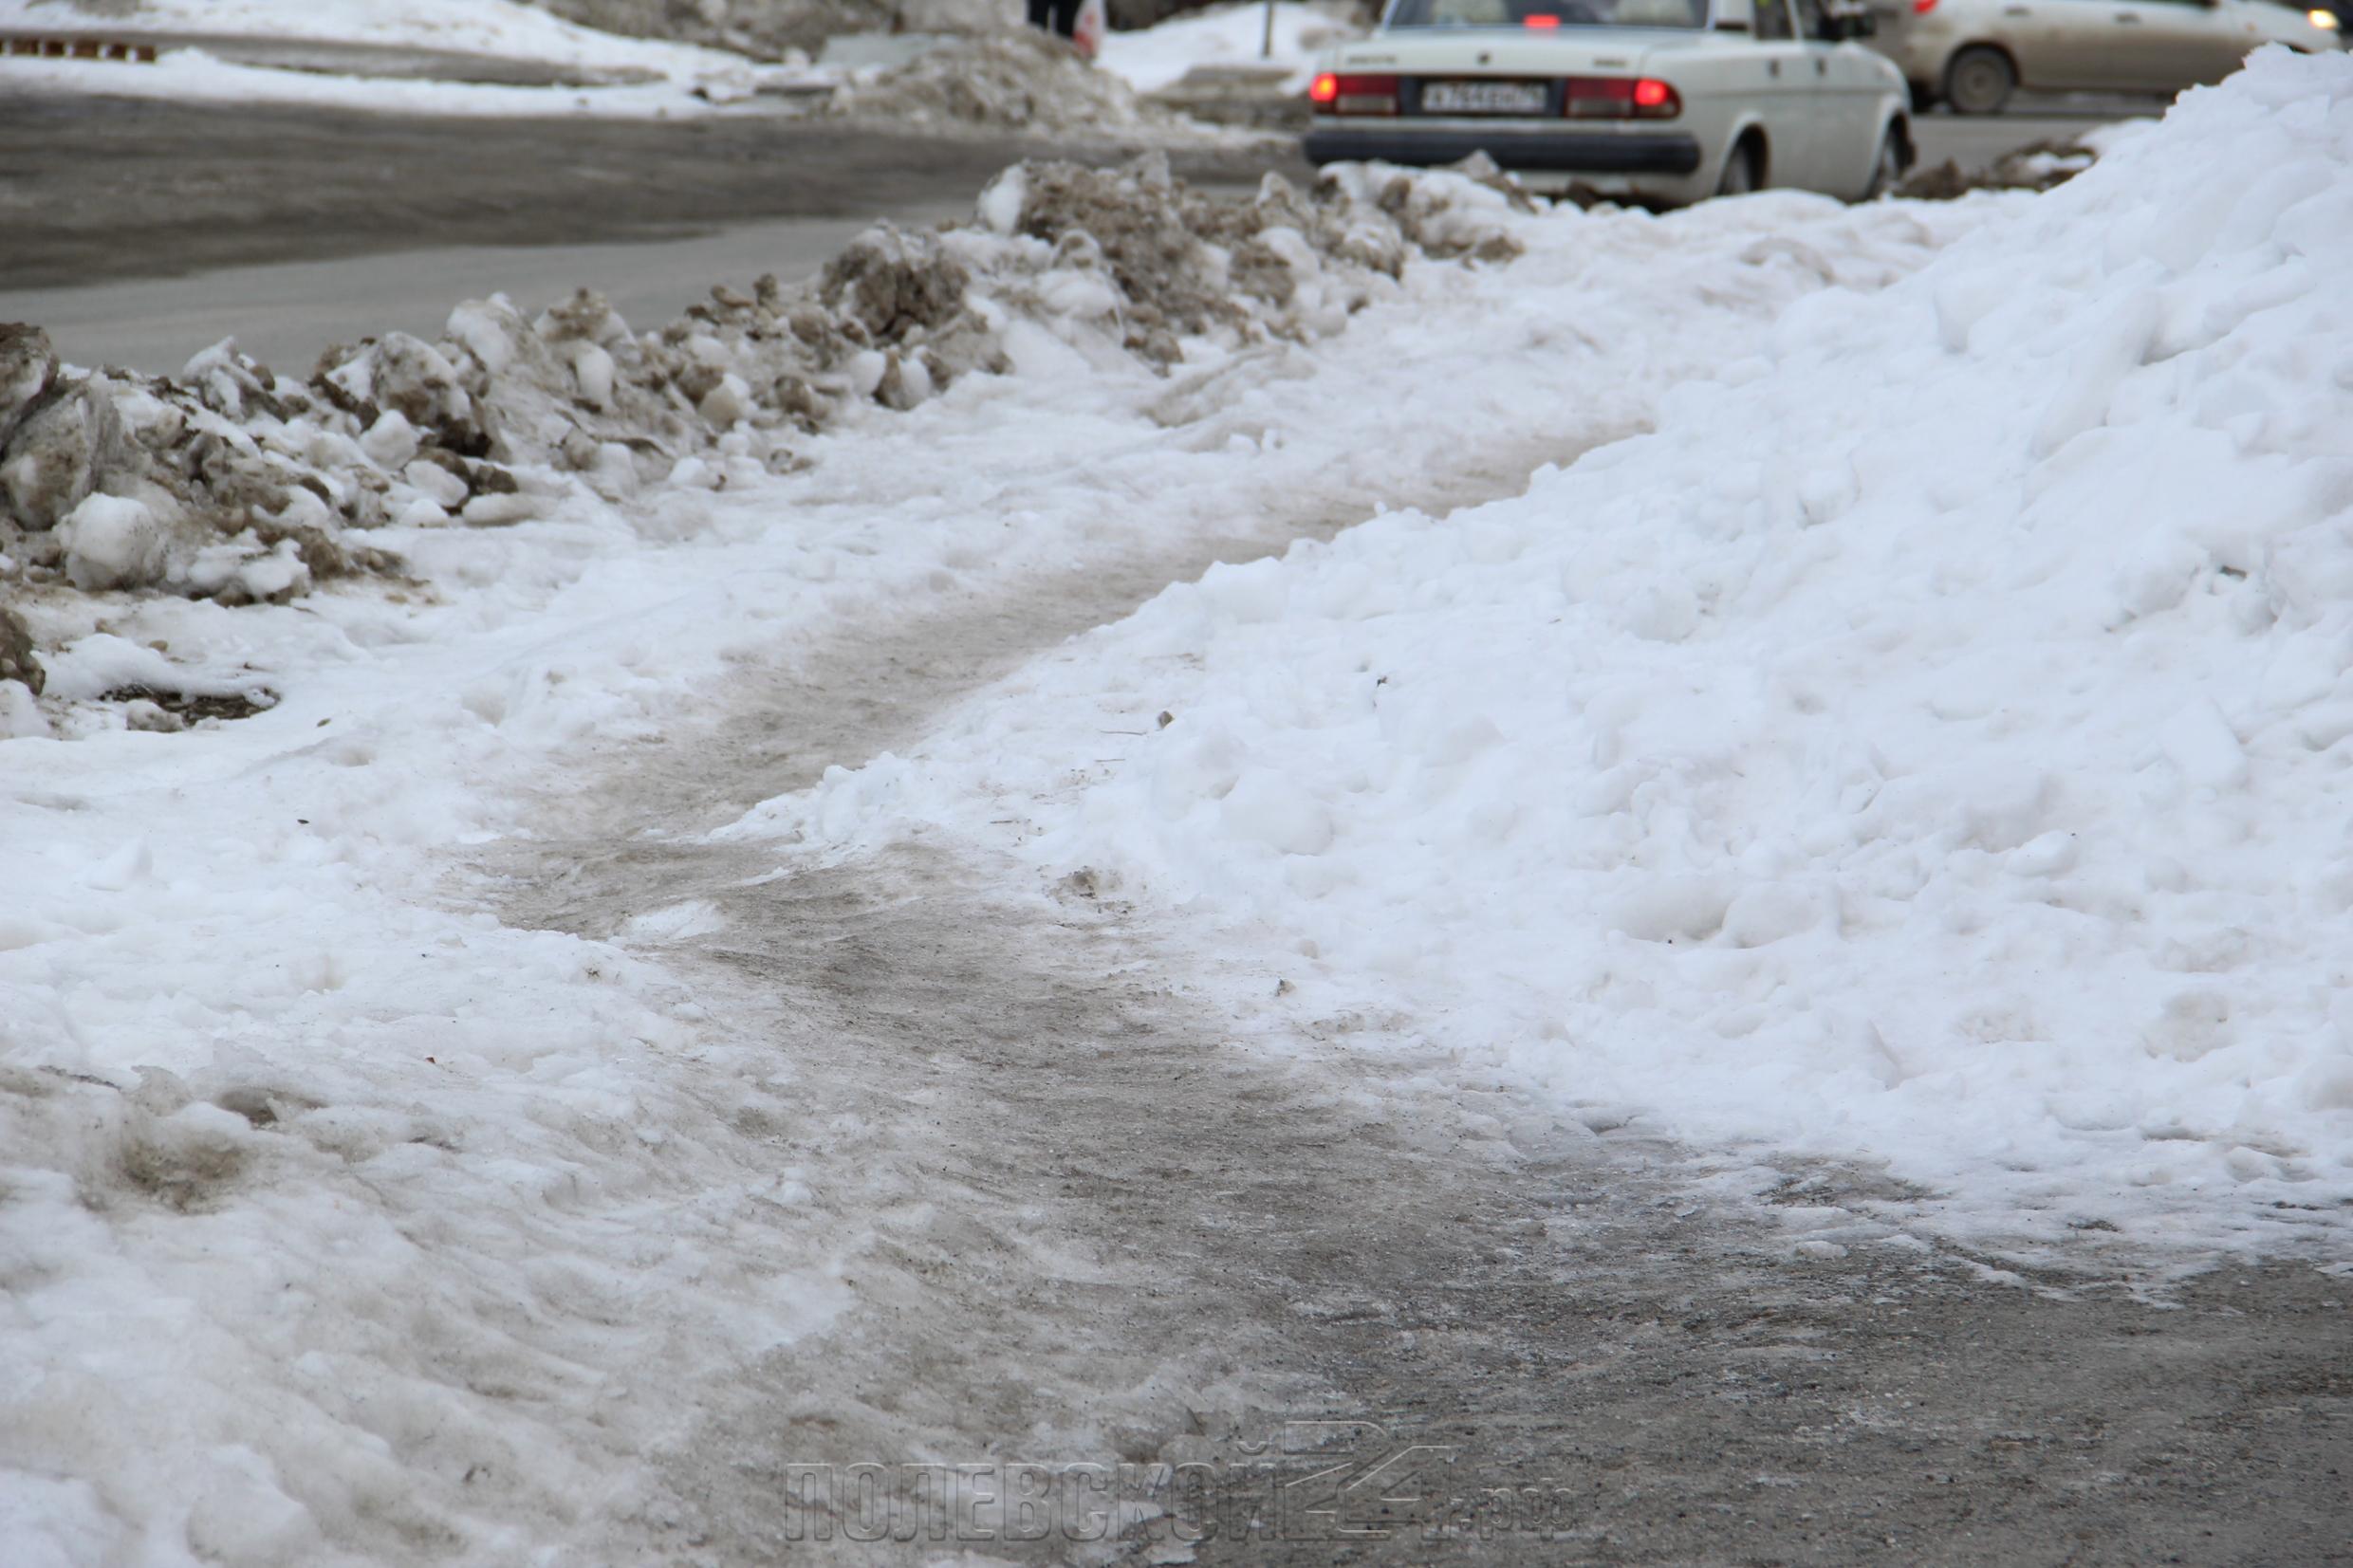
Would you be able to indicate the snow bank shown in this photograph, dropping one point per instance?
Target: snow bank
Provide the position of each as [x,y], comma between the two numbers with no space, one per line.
[476,27]
[391,57]
[1162,56]
[232,483]
[197,76]
[1017,79]
[773,27]
[1928,744]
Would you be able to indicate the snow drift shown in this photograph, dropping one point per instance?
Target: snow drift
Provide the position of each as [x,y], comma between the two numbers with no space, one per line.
[1012,79]
[1928,744]
[232,483]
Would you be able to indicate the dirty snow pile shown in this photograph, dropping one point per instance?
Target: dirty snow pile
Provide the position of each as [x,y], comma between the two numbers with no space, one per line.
[342,1222]
[1229,36]
[1930,744]
[233,484]
[389,55]
[1021,79]
[476,26]
[773,27]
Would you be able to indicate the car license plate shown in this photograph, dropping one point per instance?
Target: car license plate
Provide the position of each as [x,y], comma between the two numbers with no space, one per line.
[1483,98]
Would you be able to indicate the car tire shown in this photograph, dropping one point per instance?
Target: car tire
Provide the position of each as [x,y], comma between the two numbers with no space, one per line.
[1739,176]
[1887,168]
[1979,81]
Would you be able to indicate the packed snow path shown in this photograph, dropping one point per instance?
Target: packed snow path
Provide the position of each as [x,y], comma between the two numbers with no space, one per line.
[1109,1232]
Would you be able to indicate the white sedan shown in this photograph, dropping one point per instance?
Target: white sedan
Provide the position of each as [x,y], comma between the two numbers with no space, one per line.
[1658,101]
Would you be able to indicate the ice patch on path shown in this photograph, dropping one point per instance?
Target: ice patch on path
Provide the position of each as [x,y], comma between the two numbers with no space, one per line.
[1930,744]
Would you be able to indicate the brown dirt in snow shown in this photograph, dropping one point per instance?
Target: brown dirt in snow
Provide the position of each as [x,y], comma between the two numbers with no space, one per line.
[254,486]
[2038,166]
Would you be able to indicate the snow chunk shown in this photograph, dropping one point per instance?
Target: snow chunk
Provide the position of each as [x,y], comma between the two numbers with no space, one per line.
[112,542]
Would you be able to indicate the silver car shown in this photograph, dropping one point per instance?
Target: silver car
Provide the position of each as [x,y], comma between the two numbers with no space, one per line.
[1973,54]
[1658,101]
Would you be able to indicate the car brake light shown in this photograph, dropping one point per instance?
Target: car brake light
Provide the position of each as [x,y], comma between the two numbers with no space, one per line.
[1620,98]
[1540,21]
[1354,95]
[1921,7]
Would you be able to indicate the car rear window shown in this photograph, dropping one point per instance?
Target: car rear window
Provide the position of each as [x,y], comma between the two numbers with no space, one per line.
[1548,13]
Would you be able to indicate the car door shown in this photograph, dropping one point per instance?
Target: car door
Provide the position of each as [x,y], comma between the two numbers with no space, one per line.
[2165,46]
[2057,43]
[1847,84]
[1786,100]
[2203,40]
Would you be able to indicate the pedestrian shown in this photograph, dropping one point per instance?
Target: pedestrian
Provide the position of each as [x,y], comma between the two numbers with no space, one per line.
[1058,16]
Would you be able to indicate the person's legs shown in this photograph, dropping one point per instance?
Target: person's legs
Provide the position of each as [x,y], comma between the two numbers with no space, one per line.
[1066,17]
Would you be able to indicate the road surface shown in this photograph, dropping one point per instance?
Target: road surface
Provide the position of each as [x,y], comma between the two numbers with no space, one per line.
[139,233]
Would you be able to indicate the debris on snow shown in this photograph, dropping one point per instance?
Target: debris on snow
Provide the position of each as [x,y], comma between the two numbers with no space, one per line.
[17,660]
[232,483]
[2042,165]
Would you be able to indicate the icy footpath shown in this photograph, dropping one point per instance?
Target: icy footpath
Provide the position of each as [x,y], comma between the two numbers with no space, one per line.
[1930,746]
[340,1224]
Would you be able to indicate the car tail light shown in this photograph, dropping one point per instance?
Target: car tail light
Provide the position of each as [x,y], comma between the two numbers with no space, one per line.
[1620,98]
[1540,21]
[1354,95]
[1921,7]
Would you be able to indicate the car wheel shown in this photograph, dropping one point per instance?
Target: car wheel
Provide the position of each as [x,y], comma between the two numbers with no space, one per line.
[1979,81]
[1887,171]
[1739,177]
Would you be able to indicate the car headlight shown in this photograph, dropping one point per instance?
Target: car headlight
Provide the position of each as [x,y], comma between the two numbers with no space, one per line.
[2322,19]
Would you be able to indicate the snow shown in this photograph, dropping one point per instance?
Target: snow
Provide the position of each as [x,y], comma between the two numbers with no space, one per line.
[112,542]
[1923,743]
[628,77]
[1155,57]
[1000,79]
[192,75]
[1927,745]
[501,27]
[340,1215]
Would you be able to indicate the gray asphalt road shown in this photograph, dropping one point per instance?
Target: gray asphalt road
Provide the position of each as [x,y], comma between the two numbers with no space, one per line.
[140,233]
[1975,140]
[286,315]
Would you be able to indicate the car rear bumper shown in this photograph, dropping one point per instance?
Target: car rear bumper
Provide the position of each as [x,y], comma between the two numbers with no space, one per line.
[1539,148]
